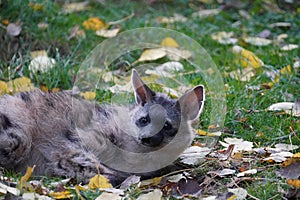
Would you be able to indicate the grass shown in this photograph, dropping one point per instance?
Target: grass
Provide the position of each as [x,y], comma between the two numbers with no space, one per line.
[263,128]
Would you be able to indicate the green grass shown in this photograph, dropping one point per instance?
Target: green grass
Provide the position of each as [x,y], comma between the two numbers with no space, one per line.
[70,53]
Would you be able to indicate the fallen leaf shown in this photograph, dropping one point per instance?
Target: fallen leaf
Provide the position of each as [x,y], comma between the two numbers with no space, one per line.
[62,195]
[264,34]
[156,194]
[108,33]
[76,31]
[293,182]
[151,182]
[23,182]
[206,13]
[21,84]
[169,42]
[131,180]
[287,107]
[289,47]
[247,58]
[278,157]
[257,41]
[34,54]
[88,95]
[36,6]
[224,37]
[286,147]
[75,7]
[3,88]
[166,69]
[41,64]
[239,144]
[244,74]
[176,54]
[152,54]
[33,195]
[240,193]
[247,172]
[13,29]
[291,171]
[108,196]
[175,178]
[94,23]
[99,181]
[42,25]
[176,18]
[223,172]
[194,155]
[4,189]
[280,24]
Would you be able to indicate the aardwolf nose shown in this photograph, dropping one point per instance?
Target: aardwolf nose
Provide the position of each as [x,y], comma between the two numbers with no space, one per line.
[153,141]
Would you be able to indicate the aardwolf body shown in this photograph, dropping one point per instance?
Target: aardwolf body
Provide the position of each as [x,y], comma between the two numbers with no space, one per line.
[66,136]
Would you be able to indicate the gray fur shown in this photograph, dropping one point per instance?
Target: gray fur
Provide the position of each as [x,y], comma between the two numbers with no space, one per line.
[67,136]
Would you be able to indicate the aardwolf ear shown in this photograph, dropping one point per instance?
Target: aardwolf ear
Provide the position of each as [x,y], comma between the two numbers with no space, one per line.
[191,103]
[142,92]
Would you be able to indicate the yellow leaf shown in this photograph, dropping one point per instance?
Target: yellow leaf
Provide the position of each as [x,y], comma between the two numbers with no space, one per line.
[293,182]
[23,180]
[3,88]
[20,85]
[36,6]
[169,42]
[79,188]
[5,22]
[95,24]
[62,195]
[286,70]
[152,54]
[99,181]
[34,54]
[247,58]
[88,95]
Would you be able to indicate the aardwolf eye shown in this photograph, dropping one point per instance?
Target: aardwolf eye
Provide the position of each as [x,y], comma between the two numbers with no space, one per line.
[143,121]
[168,126]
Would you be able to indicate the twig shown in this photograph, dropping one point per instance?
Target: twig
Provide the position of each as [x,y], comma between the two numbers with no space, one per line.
[253,197]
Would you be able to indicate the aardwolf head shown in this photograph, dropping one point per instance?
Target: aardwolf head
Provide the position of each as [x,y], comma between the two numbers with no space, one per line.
[159,118]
